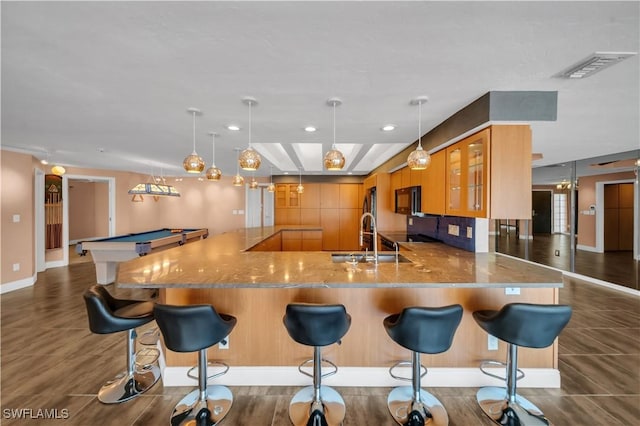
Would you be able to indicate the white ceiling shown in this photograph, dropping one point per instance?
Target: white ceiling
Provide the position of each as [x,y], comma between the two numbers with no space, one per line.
[107,84]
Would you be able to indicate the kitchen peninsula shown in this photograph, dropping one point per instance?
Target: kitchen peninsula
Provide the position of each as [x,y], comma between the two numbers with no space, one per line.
[255,286]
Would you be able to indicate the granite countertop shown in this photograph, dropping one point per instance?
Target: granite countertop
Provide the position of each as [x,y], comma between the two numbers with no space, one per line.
[222,261]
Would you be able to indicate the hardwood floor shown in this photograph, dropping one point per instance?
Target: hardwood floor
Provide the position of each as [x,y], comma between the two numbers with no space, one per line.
[616,267]
[50,360]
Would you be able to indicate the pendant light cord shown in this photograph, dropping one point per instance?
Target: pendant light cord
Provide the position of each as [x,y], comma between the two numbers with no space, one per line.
[213,153]
[194,132]
[250,103]
[334,125]
[420,124]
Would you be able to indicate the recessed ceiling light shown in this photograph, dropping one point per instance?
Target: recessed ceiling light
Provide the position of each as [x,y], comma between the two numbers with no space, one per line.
[233,127]
[310,129]
[388,127]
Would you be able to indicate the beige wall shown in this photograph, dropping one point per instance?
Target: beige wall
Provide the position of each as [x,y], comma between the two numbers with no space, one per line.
[88,210]
[586,198]
[17,176]
[202,205]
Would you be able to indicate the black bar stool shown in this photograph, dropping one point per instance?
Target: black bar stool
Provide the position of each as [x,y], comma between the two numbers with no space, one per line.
[422,330]
[110,315]
[317,326]
[518,324]
[190,329]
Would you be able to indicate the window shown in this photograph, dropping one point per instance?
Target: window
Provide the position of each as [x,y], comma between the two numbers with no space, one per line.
[560,213]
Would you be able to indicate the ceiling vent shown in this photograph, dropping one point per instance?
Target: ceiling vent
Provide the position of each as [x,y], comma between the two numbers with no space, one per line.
[594,63]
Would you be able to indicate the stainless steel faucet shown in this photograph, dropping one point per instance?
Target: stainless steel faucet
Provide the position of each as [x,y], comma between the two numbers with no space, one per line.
[374,234]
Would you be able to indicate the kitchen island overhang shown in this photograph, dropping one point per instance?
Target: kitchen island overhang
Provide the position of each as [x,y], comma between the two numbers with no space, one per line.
[256,287]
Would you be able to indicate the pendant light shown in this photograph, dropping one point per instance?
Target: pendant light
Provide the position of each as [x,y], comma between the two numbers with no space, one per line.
[254,183]
[419,159]
[333,159]
[237,179]
[213,173]
[300,188]
[249,158]
[193,163]
[271,187]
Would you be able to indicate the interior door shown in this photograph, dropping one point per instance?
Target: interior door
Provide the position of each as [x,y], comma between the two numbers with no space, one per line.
[541,204]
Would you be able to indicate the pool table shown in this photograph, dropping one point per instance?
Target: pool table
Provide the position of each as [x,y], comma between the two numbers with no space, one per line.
[107,252]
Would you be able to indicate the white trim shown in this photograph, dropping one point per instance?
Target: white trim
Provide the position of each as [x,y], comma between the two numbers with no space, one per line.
[587,248]
[55,263]
[603,283]
[17,285]
[39,221]
[482,235]
[362,377]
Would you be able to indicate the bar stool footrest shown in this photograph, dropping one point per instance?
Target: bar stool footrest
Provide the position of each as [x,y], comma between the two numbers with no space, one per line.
[409,364]
[310,361]
[194,376]
[493,363]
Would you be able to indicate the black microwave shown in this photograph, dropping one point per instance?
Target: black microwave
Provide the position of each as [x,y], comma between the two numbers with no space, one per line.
[408,200]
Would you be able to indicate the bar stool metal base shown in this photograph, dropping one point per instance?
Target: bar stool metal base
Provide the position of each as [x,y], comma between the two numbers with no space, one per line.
[493,401]
[127,386]
[400,403]
[332,404]
[218,402]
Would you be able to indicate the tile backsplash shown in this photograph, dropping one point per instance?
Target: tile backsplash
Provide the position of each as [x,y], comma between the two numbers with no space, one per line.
[451,230]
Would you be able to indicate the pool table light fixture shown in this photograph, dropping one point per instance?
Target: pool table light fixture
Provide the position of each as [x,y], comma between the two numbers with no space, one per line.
[193,163]
[155,189]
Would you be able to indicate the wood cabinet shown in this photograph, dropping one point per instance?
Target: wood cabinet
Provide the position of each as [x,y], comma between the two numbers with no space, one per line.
[433,185]
[334,207]
[467,164]
[488,174]
[287,196]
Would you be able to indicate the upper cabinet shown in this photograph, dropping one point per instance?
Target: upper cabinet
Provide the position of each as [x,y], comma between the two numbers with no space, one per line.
[488,174]
[467,163]
[287,196]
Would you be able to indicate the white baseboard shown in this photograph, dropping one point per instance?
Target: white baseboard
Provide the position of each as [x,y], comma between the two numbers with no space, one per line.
[587,248]
[596,281]
[17,285]
[362,377]
[54,264]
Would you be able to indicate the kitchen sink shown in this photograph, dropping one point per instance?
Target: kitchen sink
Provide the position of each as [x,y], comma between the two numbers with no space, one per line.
[360,258]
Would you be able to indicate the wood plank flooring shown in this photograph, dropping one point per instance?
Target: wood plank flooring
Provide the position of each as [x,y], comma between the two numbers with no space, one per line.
[50,360]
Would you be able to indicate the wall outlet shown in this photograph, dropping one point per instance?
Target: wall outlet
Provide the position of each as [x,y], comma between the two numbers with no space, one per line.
[224,343]
[16,267]
[16,218]
[469,232]
[512,291]
[492,343]
[454,230]
[410,221]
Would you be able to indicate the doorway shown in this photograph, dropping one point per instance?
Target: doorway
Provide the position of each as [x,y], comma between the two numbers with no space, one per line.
[541,205]
[260,206]
[618,217]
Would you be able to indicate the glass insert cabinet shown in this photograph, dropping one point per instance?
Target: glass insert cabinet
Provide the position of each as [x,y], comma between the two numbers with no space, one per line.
[466,183]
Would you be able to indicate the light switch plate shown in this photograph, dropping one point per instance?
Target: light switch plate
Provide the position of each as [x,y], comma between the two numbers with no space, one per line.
[16,218]
[512,291]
